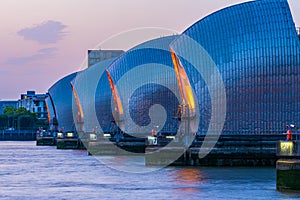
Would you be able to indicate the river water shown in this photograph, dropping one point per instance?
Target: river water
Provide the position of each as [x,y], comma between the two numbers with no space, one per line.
[37,172]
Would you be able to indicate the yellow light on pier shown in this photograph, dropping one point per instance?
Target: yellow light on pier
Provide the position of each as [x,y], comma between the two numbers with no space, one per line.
[59,135]
[93,136]
[170,137]
[70,134]
[286,148]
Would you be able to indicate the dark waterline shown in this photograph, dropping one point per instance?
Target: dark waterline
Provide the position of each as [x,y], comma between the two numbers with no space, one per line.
[31,172]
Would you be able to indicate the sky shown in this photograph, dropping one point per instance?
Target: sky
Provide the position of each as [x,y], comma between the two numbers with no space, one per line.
[43,41]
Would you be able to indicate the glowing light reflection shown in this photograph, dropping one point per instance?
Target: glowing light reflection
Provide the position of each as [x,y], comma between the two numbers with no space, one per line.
[183,82]
[116,96]
[48,113]
[80,114]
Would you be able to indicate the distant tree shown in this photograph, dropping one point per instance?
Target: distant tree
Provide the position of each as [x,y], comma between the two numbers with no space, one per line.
[3,121]
[20,118]
[42,123]
[26,122]
[9,110]
[22,110]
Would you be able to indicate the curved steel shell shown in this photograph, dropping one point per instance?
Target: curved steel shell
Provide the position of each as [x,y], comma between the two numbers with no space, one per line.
[256,50]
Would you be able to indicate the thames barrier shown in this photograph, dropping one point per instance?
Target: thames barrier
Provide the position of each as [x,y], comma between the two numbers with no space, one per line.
[223,93]
[232,93]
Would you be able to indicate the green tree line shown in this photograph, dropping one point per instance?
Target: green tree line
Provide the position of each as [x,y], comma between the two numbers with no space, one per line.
[20,119]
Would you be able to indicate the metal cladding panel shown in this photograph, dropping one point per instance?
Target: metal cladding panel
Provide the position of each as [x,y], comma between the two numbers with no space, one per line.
[144,77]
[94,96]
[256,49]
[61,94]
[103,105]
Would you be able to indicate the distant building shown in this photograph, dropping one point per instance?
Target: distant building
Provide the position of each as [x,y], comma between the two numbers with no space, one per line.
[95,56]
[4,104]
[34,103]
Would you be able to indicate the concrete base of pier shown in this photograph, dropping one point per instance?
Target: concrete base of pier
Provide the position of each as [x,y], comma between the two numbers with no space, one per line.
[228,151]
[45,141]
[69,143]
[112,148]
[288,175]
[156,156]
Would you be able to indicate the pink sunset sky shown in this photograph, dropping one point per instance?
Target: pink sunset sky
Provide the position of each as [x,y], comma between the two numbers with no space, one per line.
[42,40]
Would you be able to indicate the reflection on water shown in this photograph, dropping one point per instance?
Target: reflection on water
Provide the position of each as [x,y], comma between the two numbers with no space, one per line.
[190,176]
[191,180]
[31,172]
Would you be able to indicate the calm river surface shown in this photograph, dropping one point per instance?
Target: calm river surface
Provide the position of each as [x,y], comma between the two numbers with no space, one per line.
[31,172]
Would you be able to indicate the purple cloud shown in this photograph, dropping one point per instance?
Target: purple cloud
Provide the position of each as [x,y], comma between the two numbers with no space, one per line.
[42,54]
[44,33]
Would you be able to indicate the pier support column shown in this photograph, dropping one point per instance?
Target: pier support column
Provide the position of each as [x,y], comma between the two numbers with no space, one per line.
[288,174]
